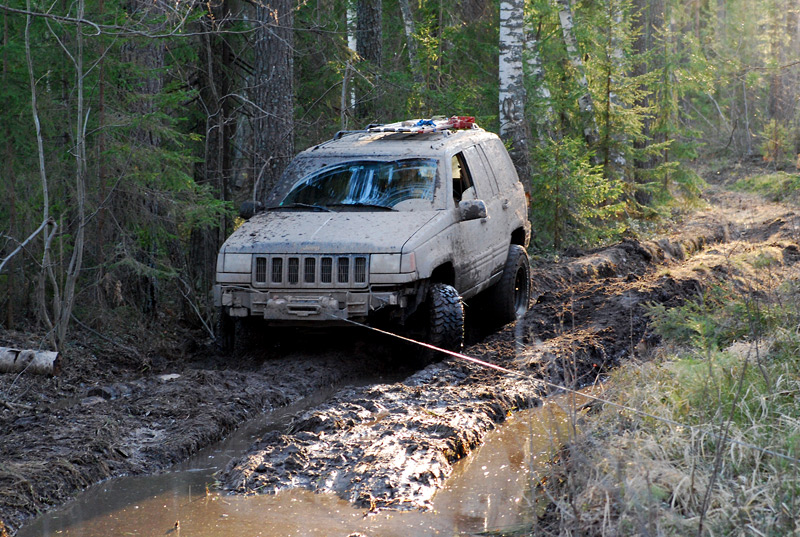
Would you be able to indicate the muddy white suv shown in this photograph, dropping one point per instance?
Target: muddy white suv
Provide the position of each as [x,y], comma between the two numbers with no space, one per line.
[391,226]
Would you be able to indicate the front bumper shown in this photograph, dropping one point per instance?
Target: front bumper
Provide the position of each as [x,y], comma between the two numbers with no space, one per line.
[302,306]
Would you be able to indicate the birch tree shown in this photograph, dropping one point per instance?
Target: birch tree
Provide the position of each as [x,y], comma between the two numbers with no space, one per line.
[585,101]
[542,112]
[348,102]
[513,127]
[411,42]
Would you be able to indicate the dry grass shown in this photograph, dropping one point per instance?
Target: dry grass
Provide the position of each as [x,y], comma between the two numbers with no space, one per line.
[733,382]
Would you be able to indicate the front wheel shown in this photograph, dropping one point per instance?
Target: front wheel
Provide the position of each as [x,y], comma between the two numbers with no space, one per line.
[511,295]
[446,317]
[226,332]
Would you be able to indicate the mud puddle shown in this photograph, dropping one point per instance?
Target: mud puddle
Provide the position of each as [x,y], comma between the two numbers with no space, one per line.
[488,490]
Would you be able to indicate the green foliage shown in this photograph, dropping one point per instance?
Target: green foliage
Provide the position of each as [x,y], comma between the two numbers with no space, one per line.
[777,145]
[707,78]
[719,318]
[778,186]
[458,59]
[711,386]
[571,201]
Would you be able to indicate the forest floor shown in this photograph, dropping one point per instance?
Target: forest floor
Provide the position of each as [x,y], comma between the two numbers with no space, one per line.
[122,406]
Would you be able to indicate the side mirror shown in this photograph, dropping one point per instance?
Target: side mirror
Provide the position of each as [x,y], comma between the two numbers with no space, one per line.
[250,208]
[472,209]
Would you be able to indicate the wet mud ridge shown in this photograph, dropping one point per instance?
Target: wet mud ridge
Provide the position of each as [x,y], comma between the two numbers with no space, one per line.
[385,445]
[392,446]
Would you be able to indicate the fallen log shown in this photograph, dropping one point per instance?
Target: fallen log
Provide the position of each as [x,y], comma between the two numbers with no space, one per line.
[40,362]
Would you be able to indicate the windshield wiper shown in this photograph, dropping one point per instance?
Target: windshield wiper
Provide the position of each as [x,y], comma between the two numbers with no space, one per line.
[361,205]
[303,206]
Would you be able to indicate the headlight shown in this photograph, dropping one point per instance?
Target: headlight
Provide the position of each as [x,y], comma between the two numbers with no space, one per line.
[238,262]
[409,263]
[384,263]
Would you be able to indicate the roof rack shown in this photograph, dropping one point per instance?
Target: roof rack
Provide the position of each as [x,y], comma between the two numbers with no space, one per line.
[342,134]
[434,124]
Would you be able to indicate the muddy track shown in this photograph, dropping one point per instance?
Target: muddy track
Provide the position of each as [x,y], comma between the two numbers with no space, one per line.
[392,446]
[383,445]
[103,417]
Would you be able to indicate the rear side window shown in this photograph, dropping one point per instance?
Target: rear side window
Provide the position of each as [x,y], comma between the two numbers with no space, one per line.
[484,179]
[502,166]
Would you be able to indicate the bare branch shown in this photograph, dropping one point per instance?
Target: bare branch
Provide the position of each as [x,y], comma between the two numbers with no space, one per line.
[25,242]
[59,18]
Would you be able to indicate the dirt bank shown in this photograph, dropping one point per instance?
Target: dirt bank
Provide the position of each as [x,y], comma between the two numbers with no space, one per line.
[388,444]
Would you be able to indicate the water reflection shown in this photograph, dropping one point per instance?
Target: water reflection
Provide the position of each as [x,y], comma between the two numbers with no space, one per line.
[489,490]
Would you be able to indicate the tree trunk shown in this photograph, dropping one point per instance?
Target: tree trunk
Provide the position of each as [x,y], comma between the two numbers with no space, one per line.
[348,104]
[148,58]
[40,362]
[585,101]
[513,127]
[778,56]
[76,260]
[648,18]
[46,273]
[793,72]
[614,161]
[369,33]
[411,42]
[10,180]
[216,64]
[101,170]
[542,113]
[273,93]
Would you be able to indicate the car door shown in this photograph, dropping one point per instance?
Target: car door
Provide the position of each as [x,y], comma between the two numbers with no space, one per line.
[496,235]
[475,255]
[503,217]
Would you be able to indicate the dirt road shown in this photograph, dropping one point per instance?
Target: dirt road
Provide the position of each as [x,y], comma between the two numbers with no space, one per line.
[386,444]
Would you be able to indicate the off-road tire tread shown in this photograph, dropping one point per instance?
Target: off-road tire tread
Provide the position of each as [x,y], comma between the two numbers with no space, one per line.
[502,298]
[446,328]
[225,333]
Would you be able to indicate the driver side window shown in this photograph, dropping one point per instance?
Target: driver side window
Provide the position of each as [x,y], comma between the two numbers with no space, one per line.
[462,181]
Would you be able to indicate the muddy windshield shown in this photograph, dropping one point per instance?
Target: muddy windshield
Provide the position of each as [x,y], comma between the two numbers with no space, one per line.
[365,184]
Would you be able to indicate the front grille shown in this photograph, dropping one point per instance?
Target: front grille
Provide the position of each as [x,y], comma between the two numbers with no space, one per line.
[311,271]
[326,270]
[277,269]
[361,270]
[261,270]
[344,270]
[294,270]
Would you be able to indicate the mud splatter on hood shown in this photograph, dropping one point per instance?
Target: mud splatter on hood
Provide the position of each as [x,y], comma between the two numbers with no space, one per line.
[328,232]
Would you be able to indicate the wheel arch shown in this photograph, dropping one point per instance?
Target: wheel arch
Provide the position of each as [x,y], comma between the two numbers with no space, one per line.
[518,237]
[444,273]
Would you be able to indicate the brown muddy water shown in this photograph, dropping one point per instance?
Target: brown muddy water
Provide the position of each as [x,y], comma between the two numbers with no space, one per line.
[489,490]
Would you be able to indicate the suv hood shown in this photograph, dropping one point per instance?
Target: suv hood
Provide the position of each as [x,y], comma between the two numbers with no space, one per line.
[345,232]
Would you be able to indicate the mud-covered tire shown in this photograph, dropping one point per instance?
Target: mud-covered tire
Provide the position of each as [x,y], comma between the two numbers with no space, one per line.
[509,298]
[226,333]
[445,317]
